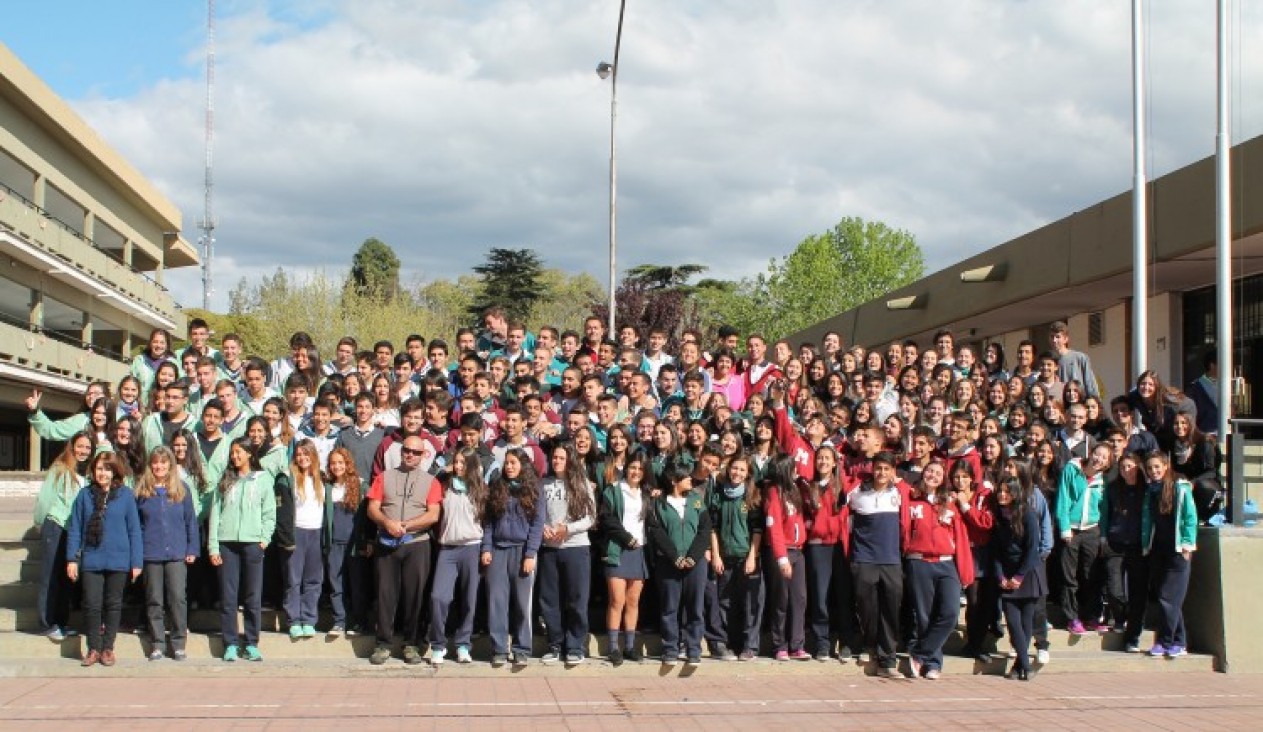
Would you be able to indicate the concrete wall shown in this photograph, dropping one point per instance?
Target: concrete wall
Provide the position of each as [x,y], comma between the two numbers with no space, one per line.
[1221,611]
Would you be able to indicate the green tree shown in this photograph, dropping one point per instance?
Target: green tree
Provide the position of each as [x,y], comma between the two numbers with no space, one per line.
[663,277]
[510,278]
[374,270]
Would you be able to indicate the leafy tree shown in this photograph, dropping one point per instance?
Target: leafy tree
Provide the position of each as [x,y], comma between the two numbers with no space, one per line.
[510,278]
[374,270]
[664,277]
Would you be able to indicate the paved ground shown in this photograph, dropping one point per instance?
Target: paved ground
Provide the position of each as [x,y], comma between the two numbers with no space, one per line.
[1067,702]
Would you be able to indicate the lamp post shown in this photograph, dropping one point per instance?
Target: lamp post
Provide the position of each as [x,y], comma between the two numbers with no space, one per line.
[607,70]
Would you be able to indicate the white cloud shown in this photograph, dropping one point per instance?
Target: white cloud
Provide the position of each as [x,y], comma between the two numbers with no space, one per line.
[445,128]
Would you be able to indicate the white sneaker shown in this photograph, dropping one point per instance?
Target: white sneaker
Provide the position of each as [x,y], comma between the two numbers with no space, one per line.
[462,655]
[437,656]
[1041,656]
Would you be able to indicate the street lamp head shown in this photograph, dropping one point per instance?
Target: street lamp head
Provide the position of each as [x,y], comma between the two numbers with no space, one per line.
[604,69]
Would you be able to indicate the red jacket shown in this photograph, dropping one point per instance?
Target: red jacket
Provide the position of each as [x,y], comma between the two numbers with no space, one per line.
[824,523]
[933,537]
[771,373]
[786,528]
[980,518]
[905,497]
[794,445]
[969,454]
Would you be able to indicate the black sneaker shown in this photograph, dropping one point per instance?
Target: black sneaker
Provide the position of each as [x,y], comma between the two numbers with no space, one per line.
[633,656]
[694,658]
[498,660]
[520,660]
[616,656]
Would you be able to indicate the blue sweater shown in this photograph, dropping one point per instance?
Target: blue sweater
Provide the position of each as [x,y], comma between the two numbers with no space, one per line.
[121,544]
[514,528]
[170,529]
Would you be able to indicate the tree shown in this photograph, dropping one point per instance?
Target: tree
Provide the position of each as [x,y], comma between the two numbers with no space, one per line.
[374,270]
[826,274]
[510,278]
[664,277]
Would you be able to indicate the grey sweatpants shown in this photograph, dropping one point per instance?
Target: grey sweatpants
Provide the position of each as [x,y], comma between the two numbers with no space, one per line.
[455,576]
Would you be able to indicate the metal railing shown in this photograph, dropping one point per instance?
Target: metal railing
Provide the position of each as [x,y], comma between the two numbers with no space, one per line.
[62,337]
[80,236]
[1238,481]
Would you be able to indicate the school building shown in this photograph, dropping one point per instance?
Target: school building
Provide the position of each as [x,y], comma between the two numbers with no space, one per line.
[84,242]
[1079,269]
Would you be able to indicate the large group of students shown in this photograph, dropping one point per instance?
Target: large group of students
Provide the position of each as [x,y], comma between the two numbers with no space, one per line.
[846,501]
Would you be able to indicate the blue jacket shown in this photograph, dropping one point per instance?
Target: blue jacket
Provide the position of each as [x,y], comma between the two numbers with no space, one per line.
[515,528]
[121,544]
[170,529]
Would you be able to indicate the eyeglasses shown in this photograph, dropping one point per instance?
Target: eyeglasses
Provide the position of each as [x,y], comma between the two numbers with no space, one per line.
[410,451]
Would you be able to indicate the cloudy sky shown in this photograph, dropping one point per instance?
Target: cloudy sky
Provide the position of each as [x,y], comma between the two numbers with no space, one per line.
[446,127]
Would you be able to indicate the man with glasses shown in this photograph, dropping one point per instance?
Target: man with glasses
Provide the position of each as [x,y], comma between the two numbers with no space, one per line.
[404,503]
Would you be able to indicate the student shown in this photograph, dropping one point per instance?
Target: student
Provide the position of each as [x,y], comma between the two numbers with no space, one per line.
[828,573]
[1017,568]
[460,539]
[939,563]
[873,537]
[103,539]
[1071,365]
[975,504]
[304,575]
[1169,536]
[242,519]
[343,543]
[625,501]
[157,352]
[172,542]
[53,506]
[736,518]
[786,535]
[565,565]
[1078,505]
[1126,569]
[679,535]
[513,527]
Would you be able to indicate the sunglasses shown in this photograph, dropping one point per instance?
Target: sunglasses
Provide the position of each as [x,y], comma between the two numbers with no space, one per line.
[410,451]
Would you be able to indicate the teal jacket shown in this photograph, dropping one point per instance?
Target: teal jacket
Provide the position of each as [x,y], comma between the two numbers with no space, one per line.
[62,429]
[1185,519]
[56,497]
[1073,492]
[246,512]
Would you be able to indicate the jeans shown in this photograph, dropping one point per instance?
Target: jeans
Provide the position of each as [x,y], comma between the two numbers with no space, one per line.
[241,579]
[103,604]
[345,573]
[52,604]
[1019,614]
[936,606]
[167,580]
[564,581]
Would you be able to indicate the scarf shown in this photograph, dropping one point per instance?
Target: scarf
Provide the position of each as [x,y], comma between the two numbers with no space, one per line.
[458,486]
[96,524]
[733,492]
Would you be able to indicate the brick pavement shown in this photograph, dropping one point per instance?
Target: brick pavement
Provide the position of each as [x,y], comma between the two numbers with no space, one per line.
[1103,701]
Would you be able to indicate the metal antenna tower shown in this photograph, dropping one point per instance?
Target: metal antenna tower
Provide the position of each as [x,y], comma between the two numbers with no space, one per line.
[207,224]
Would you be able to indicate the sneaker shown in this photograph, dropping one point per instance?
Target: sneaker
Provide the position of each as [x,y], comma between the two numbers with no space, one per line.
[69,632]
[521,660]
[550,657]
[681,655]
[781,656]
[822,656]
[462,655]
[668,659]
[616,656]
[1076,627]
[230,654]
[693,659]
[499,659]
[336,632]
[1176,651]
[352,631]
[252,653]
[845,654]
[180,656]
[1042,657]
[380,655]
[1131,647]
[933,674]
[720,652]
[800,655]
[746,655]
[295,632]
[1158,651]
[309,631]
[574,659]
[915,664]
[55,634]
[633,655]
[891,673]
[1092,626]
[412,655]
[155,655]
[437,656]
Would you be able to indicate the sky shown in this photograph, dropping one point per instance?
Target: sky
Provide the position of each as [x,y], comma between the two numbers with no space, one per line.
[447,127]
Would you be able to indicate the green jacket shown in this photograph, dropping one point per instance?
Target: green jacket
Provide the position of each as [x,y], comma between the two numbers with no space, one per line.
[213,468]
[145,375]
[1078,498]
[57,496]
[151,429]
[62,429]
[1185,519]
[277,460]
[673,537]
[246,512]
[734,523]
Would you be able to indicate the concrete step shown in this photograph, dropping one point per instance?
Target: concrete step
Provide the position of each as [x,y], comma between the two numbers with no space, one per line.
[15,569]
[204,649]
[18,594]
[20,549]
[17,527]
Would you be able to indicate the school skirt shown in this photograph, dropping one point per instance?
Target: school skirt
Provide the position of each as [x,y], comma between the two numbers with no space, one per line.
[631,565]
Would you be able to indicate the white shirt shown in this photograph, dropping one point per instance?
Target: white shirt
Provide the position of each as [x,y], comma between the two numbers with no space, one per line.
[633,505]
[309,512]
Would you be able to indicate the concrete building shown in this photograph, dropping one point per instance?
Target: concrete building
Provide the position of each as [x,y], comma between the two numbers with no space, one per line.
[1079,270]
[84,242]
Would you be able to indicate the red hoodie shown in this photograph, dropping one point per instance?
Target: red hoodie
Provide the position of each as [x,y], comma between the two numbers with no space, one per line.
[824,524]
[794,445]
[968,454]
[980,518]
[933,537]
[785,527]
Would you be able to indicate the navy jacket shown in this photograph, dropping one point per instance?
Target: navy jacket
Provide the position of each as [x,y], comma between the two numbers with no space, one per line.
[170,529]
[121,546]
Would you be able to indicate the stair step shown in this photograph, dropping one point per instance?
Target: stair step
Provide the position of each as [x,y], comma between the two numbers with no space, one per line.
[13,569]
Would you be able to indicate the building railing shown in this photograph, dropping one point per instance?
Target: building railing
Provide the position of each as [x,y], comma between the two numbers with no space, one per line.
[80,236]
[1245,468]
[62,337]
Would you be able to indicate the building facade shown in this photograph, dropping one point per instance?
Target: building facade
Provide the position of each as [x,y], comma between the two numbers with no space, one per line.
[84,243]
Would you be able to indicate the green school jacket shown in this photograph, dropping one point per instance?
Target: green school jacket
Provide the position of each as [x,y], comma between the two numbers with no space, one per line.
[62,429]
[1185,519]
[246,512]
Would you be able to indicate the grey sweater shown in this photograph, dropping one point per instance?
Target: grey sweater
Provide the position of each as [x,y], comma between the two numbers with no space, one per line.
[554,494]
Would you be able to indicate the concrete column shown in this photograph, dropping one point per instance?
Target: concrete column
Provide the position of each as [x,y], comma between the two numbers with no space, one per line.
[38,190]
[33,453]
[37,309]
[89,226]
[86,335]
[127,252]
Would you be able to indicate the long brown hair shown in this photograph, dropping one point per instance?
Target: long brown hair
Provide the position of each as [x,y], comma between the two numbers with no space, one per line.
[308,448]
[579,501]
[351,482]
[147,484]
[528,487]
[1166,499]
[66,468]
[472,476]
[814,497]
